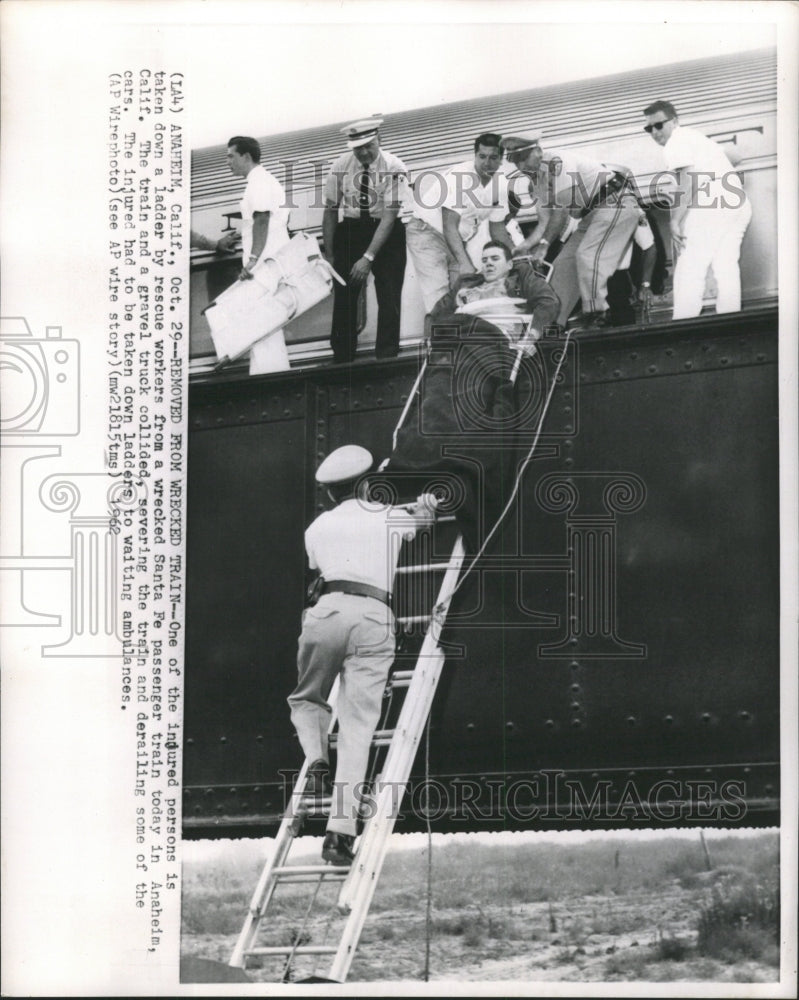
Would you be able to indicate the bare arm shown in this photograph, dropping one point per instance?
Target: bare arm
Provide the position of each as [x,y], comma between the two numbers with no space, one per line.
[498,232]
[260,231]
[362,267]
[450,220]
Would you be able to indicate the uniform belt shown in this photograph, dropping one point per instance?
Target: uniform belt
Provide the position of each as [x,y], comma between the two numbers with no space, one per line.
[612,186]
[358,589]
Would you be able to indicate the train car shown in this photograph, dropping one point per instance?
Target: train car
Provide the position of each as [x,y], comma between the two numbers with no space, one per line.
[616,661]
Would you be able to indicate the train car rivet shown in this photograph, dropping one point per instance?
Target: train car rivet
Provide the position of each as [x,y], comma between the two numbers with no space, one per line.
[616,373]
[549,723]
[223,739]
[576,723]
[631,720]
[669,719]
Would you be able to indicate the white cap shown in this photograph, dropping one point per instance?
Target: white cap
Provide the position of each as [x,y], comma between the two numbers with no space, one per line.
[343,464]
[363,131]
[513,145]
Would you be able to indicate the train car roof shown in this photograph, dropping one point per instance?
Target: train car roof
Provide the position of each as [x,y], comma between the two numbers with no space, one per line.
[598,110]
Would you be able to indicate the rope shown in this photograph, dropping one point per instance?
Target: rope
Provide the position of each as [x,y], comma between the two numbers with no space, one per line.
[429,910]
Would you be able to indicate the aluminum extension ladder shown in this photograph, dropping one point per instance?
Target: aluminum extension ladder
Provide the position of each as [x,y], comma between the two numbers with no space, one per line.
[360,879]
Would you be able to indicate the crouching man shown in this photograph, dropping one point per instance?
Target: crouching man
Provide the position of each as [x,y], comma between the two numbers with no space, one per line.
[348,633]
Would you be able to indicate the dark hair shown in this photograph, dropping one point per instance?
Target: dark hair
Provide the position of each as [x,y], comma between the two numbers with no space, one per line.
[487,139]
[665,106]
[501,246]
[246,144]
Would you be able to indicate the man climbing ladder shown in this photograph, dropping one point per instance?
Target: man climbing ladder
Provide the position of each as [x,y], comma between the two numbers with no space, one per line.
[348,633]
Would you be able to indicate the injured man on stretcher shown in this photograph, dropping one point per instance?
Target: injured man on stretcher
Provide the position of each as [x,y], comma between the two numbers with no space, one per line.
[503,287]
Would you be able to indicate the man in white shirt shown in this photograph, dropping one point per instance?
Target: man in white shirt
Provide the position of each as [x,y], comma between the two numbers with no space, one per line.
[709,217]
[446,218]
[348,632]
[264,214]
[567,185]
[366,186]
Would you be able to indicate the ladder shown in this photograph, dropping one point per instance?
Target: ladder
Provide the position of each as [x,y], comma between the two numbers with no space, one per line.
[359,880]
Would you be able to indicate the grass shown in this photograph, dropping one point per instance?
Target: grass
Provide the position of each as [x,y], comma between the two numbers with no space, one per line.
[741,920]
[597,907]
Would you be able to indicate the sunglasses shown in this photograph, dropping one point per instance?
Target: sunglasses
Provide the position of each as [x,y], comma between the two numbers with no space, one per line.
[657,125]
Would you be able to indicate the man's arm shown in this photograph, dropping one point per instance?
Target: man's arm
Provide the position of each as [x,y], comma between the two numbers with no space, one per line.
[260,231]
[551,223]
[362,266]
[499,232]
[679,209]
[451,220]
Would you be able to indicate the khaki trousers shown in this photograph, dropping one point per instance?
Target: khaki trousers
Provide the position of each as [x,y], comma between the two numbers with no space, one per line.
[352,637]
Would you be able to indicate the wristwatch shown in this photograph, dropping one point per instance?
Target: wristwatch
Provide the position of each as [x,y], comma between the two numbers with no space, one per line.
[369,256]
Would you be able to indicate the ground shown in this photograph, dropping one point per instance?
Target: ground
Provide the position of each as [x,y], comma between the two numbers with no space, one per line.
[605,913]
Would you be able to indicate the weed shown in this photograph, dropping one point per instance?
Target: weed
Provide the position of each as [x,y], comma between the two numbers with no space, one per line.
[740,921]
[671,949]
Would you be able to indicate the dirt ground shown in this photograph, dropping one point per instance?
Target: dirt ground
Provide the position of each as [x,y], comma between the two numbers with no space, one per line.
[589,938]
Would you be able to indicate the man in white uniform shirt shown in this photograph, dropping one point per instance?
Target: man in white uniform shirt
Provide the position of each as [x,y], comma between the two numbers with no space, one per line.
[566,185]
[709,217]
[348,633]
[445,219]
[366,186]
[264,215]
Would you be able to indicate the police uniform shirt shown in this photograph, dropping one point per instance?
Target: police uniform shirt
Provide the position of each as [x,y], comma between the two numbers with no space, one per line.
[563,181]
[387,180]
[263,193]
[688,147]
[358,541]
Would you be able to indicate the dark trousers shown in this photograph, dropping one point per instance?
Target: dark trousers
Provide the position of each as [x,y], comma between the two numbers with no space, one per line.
[351,240]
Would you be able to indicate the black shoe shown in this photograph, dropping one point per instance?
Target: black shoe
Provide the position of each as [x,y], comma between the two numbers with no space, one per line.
[317,785]
[337,848]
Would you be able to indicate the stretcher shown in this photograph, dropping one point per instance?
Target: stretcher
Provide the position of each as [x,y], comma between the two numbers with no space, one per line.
[250,315]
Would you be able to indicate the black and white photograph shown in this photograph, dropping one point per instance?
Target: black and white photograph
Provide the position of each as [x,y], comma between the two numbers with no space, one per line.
[399,483]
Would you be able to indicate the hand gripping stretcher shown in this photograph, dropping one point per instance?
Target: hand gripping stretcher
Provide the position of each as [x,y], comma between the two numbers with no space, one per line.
[250,315]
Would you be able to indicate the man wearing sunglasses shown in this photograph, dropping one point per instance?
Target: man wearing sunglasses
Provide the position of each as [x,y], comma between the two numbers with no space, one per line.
[709,215]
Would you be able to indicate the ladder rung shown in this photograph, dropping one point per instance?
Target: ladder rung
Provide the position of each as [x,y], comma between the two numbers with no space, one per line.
[427,567]
[401,678]
[413,619]
[381,737]
[303,949]
[294,871]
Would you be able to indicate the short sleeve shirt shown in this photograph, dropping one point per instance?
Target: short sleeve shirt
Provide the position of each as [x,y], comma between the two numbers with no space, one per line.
[460,190]
[359,541]
[388,177]
[263,193]
[564,180]
[688,148]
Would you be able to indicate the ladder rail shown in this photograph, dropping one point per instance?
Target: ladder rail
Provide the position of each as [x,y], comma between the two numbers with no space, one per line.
[267,883]
[360,879]
[359,887]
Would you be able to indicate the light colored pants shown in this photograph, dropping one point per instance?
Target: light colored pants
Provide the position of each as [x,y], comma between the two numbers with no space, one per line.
[353,637]
[712,237]
[591,255]
[434,263]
